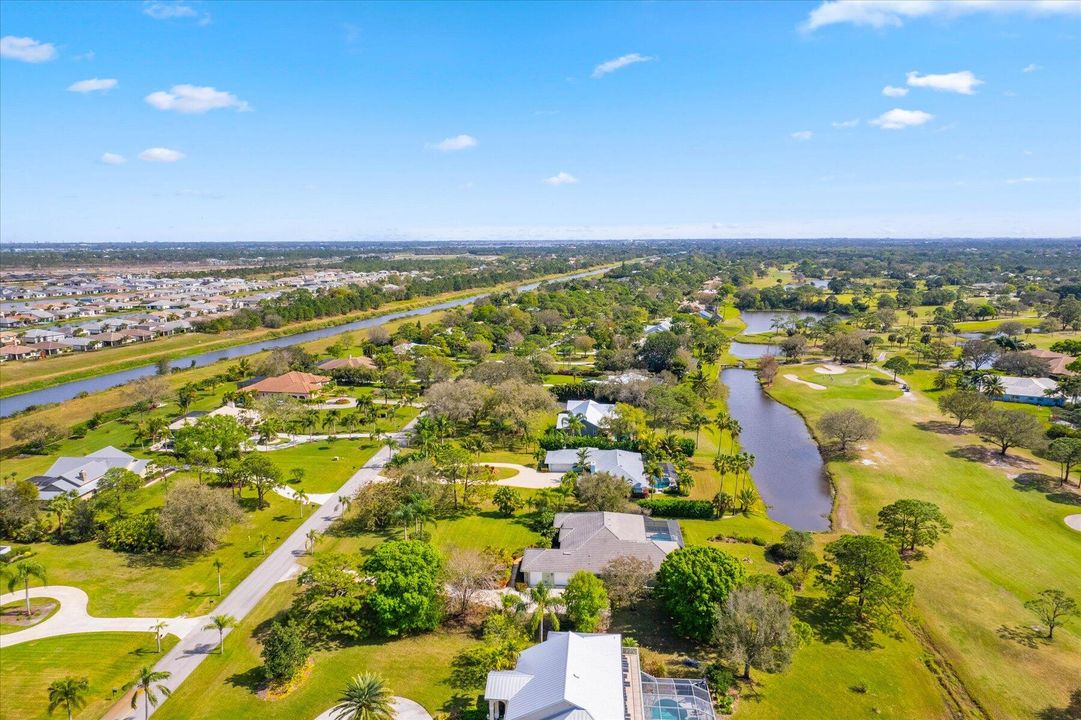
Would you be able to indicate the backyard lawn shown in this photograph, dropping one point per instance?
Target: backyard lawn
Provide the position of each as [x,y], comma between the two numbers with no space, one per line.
[107,660]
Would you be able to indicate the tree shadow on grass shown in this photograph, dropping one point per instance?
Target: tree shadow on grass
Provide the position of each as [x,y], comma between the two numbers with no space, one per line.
[1019,634]
[1050,486]
[167,559]
[253,679]
[833,624]
[941,427]
[990,456]
[1072,710]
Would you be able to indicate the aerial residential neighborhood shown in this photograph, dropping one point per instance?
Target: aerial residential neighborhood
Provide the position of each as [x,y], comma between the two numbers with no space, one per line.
[540,361]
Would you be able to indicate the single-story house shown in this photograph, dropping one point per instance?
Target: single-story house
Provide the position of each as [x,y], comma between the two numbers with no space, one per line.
[360,361]
[301,385]
[9,338]
[40,336]
[589,541]
[576,676]
[246,416]
[657,327]
[1028,390]
[621,463]
[1056,362]
[82,343]
[594,415]
[18,352]
[81,474]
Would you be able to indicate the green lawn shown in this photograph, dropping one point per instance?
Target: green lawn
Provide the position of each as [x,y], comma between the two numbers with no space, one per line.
[1008,542]
[107,660]
[150,586]
[327,464]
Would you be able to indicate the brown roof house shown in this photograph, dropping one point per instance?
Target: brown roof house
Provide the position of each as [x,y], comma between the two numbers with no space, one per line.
[296,384]
[349,362]
[1057,362]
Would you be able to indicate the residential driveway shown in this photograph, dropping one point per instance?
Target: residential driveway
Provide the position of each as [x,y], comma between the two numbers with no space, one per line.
[289,493]
[527,477]
[404,709]
[198,644]
[72,618]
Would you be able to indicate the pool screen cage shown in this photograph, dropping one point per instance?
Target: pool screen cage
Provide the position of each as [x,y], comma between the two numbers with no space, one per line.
[676,699]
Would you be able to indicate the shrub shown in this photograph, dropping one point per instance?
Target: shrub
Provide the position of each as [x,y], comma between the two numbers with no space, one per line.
[574,391]
[31,532]
[556,440]
[138,534]
[678,508]
[720,679]
[284,652]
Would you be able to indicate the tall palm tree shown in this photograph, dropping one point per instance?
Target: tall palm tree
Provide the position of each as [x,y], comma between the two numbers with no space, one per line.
[694,423]
[331,420]
[68,693]
[365,697]
[158,629]
[62,505]
[23,572]
[149,683]
[263,539]
[575,424]
[301,499]
[310,539]
[221,623]
[992,386]
[544,607]
[218,565]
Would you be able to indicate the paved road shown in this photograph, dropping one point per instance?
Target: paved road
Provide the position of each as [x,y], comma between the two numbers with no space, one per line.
[192,649]
[72,617]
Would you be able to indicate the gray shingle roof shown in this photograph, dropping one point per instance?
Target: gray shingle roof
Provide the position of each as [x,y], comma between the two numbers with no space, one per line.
[589,541]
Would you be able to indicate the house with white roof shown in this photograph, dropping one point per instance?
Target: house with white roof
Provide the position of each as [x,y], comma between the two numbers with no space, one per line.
[81,474]
[1029,390]
[594,415]
[574,676]
[621,463]
[660,326]
[589,541]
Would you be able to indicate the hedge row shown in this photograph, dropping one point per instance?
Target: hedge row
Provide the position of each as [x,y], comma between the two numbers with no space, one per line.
[678,508]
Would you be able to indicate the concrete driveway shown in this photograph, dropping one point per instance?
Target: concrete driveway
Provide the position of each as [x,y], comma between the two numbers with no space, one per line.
[527,477]
[404,709]
[72,618]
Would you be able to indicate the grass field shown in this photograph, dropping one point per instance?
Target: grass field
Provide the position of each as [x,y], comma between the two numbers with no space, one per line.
[107,660]
[1003,523]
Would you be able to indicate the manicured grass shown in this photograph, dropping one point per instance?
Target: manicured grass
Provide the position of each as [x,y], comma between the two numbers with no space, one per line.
[326,464]
[165,585]
[1008,543]
[223,687]
[561,379]
[107,660]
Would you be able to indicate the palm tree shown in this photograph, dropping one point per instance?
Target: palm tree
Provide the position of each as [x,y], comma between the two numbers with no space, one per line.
[69,693]
[700,383]
[544,606]
[23,572]
[149,683]
[575,424]
[310,539]
[301,499]
[366,697]
[263,538]
[476,445]
[992,386]
[218,565]
[694,423]
[331,420]
[62,506]
[158,628]
[221,623]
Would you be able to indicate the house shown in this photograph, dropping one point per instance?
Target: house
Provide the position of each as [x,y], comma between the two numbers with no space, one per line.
[9,338]
[349,362]
[1028,390]
[82,343]
[621,463]
[661,326]
[589,541]
[47,349]
[112,339]
[81,474]
[245,416]
[1056,362]
[574,676]
[594,415]
[18,352]
[138,335]
[296,384]
[40,336]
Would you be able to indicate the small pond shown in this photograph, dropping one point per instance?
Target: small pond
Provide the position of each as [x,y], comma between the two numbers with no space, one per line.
[760,321]
[788,472]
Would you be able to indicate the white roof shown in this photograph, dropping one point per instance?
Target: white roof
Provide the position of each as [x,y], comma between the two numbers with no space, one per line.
[569,676]
[1026,386]
[621,463]
[593,412]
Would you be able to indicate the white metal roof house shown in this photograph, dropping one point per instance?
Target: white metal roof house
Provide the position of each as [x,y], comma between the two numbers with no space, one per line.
[1029,390]
[82,474]
[593,414]
[589,541]
[621,463]
[573,676]
[660,326]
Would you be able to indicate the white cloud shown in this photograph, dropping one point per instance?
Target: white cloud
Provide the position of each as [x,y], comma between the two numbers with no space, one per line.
[1025,180]
[453,144]
[112,159]
[93,85]
[174,10]
[963,82]
[846,124]
[87,56]
[194,99]
[609,66]
[894,91]
[1031,67]
[26,49]
[802,135]
[898,119]
[894,13]
[161,155]
[561,178]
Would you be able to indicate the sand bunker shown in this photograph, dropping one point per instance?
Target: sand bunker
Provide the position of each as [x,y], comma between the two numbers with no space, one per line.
[813,386]
[830,369]
[1074,521]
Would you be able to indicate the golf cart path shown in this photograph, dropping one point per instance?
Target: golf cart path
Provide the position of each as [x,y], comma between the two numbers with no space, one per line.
[72,617]
[198,644]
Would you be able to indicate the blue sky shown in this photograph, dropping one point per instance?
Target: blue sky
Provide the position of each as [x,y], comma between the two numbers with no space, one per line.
[349,121]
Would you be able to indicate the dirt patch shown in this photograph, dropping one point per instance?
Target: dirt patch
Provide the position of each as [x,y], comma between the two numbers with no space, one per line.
[14,615]
[813,386]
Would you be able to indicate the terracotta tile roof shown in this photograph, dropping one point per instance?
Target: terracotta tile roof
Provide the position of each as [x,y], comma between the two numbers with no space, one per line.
[291,383]
[349,362]
[1057,362]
